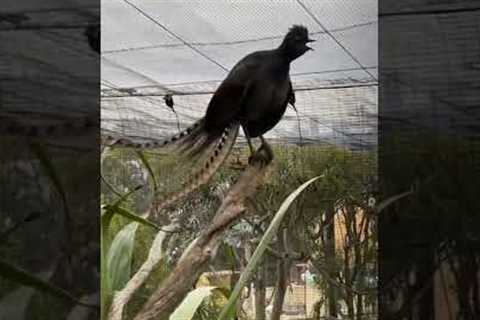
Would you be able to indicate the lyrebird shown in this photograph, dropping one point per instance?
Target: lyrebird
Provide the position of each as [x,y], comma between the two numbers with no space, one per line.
[254,96]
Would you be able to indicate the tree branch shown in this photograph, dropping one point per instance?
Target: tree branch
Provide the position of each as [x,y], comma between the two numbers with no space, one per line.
[197,256]
[121,298]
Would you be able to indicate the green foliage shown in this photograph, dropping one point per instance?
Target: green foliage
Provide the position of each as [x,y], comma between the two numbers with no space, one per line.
[192,302]
[129,215]
[51,172]
[228,311]
[119,257]
[349,178]
[442,217]
[149,168]
[24,278]
[44,213]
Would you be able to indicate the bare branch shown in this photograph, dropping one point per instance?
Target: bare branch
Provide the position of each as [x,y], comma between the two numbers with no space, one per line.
[195,260]
[121,298]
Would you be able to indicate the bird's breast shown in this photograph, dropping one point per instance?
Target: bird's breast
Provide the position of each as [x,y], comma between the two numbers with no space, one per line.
[267,98]
[265,106]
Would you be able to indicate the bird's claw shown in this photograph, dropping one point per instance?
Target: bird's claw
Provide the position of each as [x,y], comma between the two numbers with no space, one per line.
[263,155]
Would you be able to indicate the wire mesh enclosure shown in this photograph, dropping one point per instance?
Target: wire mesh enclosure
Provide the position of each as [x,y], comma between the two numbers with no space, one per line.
[150,49]
[161,63]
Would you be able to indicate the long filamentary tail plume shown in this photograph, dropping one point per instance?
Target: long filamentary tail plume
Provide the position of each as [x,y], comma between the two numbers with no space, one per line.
[9,126]
[177,139]
[216,157]
[255,95]
[195,142]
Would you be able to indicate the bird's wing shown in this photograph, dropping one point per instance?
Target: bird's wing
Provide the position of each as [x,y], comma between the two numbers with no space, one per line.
[227,102]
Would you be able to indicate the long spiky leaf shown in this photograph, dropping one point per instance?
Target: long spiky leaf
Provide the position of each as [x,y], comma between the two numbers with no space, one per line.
[148,167]
[245,277]
[24,278]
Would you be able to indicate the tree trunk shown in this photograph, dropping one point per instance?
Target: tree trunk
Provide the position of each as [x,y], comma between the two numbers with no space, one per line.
[349,285]
[192,263]
[330,259]
[351,245]
[235,278]
[283,268]
[259,284]
[359,307]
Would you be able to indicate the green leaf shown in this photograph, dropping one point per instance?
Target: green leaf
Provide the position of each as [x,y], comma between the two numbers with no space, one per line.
[119,257]
[385,203]
[229,310]
[107,213]
[105,290]
[123,198]
[110,186]
[51,172]
[186,310]
[149,168]
[24,278]
[131,216]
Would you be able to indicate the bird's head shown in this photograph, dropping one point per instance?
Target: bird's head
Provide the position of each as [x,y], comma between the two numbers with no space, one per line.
[295,42]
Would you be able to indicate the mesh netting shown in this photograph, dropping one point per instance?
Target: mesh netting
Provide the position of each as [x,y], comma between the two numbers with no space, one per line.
[184,48]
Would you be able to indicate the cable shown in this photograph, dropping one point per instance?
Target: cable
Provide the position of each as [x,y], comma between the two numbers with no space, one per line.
[212,92]
[335,39]
[333,129]
[164,87]
[428,12]
[47,26]
[175,35]
[169,85]
[125,68]
[145,98]
[76,8]
[219,43]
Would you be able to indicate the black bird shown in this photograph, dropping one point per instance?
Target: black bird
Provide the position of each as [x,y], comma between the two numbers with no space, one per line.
[254,95]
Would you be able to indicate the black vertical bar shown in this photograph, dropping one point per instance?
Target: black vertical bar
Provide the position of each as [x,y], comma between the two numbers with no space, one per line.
[49,160]
[428,118]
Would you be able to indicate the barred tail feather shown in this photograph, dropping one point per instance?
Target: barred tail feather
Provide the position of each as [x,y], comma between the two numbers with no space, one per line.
[198,143]
[222,149]
[174,140]
[73,127]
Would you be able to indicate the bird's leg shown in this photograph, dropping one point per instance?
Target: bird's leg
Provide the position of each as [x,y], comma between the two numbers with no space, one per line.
[264,154]
[267,149]
[263,140]
[247,136]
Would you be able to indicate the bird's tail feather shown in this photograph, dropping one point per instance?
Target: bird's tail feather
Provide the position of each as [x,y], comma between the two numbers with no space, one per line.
[223,146]
[175,140]
[199,142]
[9,126]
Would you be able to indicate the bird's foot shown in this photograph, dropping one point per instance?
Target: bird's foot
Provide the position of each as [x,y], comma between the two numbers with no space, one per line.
[263,155]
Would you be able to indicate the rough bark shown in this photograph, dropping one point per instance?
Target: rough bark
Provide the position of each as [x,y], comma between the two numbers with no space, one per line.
[121,298]
[330,259]
[349,244]
[349,296]
[259,284]
[359,315]
[283,268]
[194,261]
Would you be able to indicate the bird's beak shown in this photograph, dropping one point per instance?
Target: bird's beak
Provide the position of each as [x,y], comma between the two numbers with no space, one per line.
[310,40]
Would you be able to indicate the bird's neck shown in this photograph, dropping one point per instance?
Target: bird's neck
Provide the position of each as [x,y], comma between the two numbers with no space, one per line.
[280,66]
[286,55]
